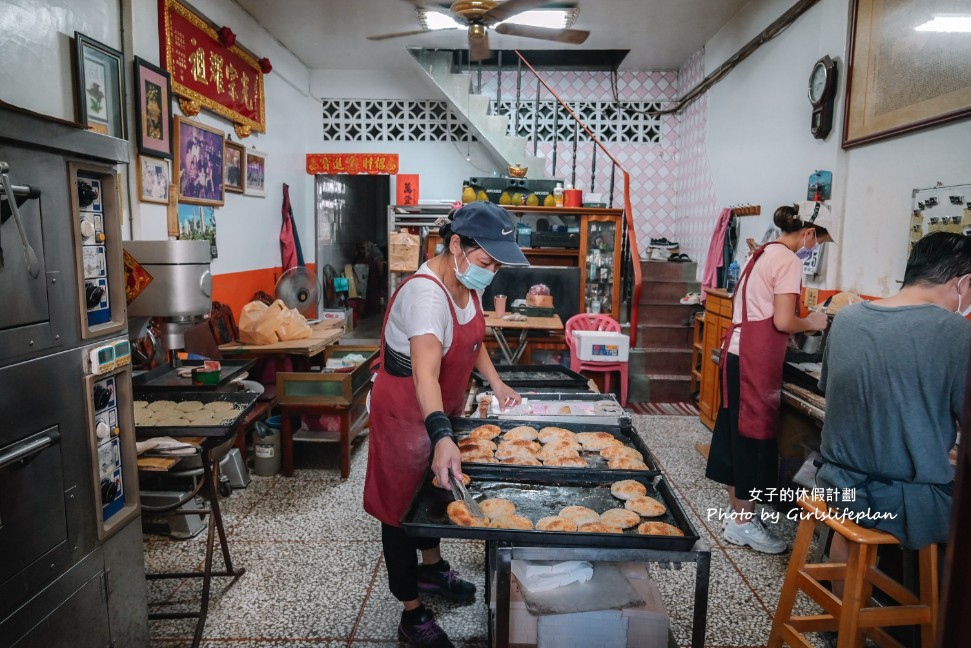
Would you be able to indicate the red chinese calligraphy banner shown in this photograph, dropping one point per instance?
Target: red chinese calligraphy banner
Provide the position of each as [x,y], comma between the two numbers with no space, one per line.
[353,163]
[226,80]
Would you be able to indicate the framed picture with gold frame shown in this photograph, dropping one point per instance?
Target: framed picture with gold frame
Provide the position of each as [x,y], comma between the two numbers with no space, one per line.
[907,69]
[199,163]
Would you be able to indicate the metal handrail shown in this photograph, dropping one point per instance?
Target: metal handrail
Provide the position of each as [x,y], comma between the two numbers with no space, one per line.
[628,215]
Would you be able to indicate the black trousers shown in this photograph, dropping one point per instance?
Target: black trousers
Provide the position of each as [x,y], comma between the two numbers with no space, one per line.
[401,560]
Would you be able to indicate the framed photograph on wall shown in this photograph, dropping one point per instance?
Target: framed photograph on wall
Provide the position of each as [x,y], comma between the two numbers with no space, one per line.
[234,156]
[99,86]
[199,163]
[908,66]
[153,118]
[255,173]
[154,176]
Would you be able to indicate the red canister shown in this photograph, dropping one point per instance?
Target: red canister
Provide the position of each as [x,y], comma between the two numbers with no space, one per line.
[572,198]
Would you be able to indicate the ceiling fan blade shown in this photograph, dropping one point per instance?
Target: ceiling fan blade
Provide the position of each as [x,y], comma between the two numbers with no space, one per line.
[509,9]
[573,36]
[407,33]
[479,48]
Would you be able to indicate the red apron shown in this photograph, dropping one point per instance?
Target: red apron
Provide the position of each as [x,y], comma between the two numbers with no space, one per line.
[399,451]
[761,356]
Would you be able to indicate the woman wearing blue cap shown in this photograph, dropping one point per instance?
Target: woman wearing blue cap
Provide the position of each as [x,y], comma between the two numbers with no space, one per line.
[431,342]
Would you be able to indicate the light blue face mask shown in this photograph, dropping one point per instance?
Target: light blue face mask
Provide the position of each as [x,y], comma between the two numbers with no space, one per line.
[475,277]
[804,253]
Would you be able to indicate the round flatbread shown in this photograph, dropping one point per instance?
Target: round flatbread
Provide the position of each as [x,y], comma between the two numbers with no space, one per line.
[144,416]
[220,406]
[556,523]
[481,444]
[579,514]
[548,434]
[598,527]
[512,522]
[521,433]
[627,488]
[497,507]
[555,449]
[161,405]
[189,406]
[617,451]
[521,449]
[619,517]
[487,431]
[646,506]
[597,440]
[567,462]
[659,528]
[626,463]
[466,480]
[459,514]
[199,417]
[140,404]
[521,461]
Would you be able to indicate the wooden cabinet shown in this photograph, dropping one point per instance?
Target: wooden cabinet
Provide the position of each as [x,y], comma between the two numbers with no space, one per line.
[718,317]
[697,351]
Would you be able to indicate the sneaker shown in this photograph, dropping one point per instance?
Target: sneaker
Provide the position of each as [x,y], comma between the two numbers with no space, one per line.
[418,628]
[657,254]
[754,534]
[663,243]
[692,299]
[440,579]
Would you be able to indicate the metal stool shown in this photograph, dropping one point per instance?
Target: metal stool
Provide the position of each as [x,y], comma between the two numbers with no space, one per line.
[852,615]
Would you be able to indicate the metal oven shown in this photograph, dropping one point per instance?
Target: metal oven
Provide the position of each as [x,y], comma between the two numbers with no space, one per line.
[72,572]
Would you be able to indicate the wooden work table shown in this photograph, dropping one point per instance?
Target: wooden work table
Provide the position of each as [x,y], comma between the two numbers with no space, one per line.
[499,325]
[323,334]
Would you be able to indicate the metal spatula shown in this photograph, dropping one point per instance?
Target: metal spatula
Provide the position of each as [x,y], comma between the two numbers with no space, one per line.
[460,492]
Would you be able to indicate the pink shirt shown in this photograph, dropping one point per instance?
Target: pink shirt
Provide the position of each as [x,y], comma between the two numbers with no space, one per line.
[778,272]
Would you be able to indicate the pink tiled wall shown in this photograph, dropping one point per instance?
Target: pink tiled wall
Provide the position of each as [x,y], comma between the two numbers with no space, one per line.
[653,167]
[696,214]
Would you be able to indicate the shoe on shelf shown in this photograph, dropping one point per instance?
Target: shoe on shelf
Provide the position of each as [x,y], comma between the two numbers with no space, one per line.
[419,629]
[440,579]
[754,534]
[663,243]
[684,258]
[692,299]
[657,254]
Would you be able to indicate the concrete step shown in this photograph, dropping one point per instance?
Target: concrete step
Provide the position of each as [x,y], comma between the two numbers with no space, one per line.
[664,335]
[668,271]
[667,314]
[660,360]
[659,388]
[667,292]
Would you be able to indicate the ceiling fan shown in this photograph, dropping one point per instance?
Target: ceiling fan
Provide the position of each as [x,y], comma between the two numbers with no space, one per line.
[480,15]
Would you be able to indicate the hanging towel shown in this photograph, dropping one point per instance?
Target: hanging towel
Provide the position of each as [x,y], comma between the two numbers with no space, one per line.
[290,252]
[709,279]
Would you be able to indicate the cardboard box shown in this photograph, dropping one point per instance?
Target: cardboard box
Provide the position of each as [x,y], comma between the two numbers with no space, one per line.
[344,314]
[543,301]
[602,346]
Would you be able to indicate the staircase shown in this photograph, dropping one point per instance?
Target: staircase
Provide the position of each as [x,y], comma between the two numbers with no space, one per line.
[660,365]
[490,130]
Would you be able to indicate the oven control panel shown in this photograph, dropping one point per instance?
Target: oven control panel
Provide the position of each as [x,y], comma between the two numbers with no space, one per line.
[107,428]
[91,229]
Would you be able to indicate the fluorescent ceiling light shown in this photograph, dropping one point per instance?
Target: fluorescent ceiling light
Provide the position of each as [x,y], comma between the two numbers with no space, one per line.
[946,24]
[432,19]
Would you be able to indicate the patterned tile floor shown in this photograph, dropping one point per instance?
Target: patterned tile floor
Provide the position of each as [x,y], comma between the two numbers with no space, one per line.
[315,577]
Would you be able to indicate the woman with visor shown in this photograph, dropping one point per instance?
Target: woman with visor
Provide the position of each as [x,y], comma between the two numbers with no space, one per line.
[431,341]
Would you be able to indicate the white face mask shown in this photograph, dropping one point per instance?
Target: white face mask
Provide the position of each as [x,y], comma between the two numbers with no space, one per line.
[963,312]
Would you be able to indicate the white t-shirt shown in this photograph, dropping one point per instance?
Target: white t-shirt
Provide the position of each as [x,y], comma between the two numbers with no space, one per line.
[777,272]
[422,307]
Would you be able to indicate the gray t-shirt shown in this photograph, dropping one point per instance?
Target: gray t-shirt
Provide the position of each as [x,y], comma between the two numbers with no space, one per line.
[894,380]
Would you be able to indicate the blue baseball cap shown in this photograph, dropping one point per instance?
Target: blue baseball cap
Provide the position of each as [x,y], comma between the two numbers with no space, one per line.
[492,229]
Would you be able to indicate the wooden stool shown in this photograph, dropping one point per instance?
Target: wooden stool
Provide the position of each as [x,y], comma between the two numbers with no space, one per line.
[851,616]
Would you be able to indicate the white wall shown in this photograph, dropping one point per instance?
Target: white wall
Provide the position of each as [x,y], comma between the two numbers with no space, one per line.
[761,151]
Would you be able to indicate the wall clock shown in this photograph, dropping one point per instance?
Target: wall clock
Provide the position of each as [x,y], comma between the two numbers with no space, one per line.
[822,93]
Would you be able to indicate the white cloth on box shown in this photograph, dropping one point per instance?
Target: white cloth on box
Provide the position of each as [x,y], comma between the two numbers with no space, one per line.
[540,576]
[166,445]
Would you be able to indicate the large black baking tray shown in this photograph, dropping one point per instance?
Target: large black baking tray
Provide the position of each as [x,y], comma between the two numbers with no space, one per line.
[624,431]
[427,516]
[537,377]
[243,401]
[166,377]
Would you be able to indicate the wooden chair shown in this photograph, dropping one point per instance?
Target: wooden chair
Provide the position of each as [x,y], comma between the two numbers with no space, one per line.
[852,615]
[595,322]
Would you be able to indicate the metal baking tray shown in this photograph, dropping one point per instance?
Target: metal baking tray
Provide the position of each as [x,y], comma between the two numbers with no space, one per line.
[609,413]
[243,401]
[537,377]
[427,516]
[624,431]
[166,377]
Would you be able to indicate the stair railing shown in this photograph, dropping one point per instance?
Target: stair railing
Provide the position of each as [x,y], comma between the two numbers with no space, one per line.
[629,250]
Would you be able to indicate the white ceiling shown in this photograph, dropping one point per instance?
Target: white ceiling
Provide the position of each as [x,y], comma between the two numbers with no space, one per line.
[330,34]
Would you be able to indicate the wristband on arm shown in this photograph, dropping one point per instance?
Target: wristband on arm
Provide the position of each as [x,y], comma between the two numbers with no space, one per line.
[438,427]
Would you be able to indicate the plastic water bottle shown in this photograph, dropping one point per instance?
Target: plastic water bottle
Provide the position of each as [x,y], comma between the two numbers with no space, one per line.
[732,279]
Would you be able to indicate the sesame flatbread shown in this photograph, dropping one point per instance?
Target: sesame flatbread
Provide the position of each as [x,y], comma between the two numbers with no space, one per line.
[487,431]
[548,434]
[579,514]
[556,523]
[459,514]
[497,507]
[619,517]
[512,522]
[598,527]
[659,528]
[521,433]
[646,506]
[617,451]
[627,488]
